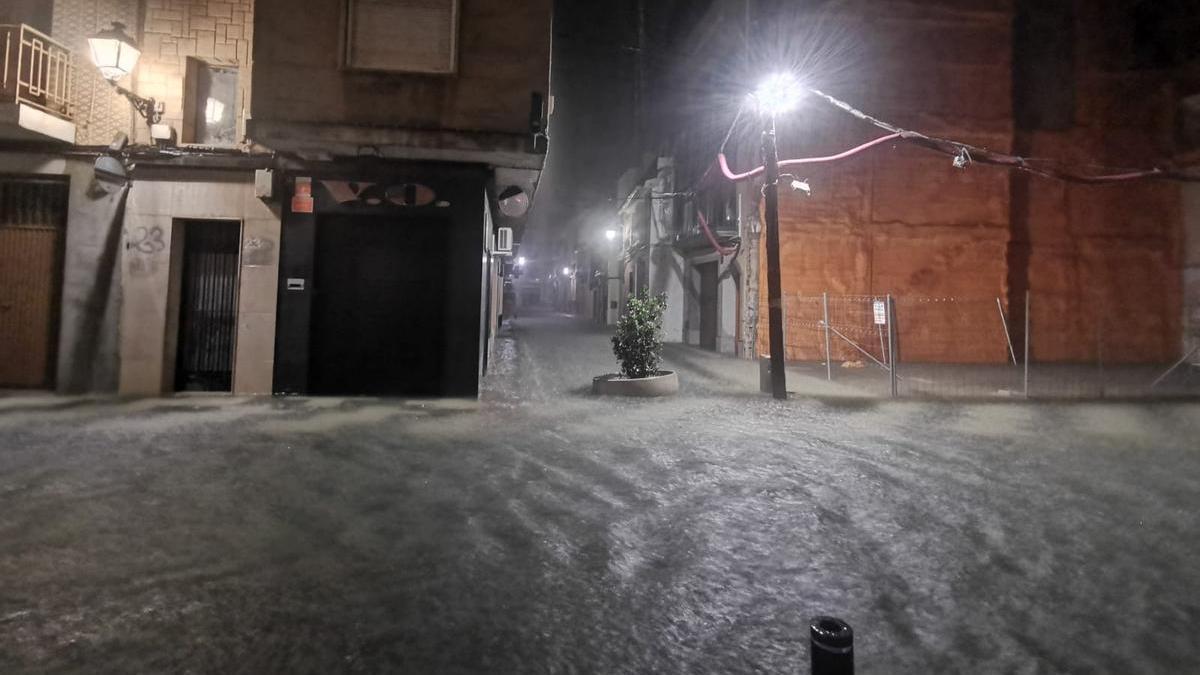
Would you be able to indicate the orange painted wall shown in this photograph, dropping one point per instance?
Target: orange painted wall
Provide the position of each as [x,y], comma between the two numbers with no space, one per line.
[899,219]
[1103,262]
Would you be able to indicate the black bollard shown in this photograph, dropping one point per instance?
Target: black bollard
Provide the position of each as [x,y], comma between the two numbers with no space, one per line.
[832,646]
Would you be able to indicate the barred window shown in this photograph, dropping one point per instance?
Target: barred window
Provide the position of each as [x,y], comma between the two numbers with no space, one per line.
[412,36]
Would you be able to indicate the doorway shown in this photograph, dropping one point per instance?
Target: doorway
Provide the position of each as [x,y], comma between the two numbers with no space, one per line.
[708,305]
[379,306]
[207,305]
[33,218]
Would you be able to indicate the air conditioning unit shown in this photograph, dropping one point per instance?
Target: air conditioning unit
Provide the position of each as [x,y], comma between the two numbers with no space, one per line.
[504,242]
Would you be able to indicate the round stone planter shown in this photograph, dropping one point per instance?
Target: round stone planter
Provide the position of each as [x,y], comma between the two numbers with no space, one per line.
[665,383]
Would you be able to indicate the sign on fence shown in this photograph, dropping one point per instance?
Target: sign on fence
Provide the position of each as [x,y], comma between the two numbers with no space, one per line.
[880,312]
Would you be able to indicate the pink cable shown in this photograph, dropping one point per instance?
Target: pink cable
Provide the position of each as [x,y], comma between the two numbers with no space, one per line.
[721,250]
[736,176]
[1124,176]
[804,160]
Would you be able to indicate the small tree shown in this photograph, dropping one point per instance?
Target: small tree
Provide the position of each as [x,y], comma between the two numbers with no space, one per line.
[638,342]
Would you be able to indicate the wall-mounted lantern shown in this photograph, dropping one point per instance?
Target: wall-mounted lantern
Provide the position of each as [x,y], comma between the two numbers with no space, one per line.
[115,55]
[114,52]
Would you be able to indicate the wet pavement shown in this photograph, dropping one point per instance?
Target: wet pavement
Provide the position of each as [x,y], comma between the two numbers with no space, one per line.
[545,530]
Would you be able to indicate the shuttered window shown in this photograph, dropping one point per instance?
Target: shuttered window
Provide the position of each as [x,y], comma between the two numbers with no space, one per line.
[413,36]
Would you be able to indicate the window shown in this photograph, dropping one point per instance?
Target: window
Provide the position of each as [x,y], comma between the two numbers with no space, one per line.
[210,109]
[412,36]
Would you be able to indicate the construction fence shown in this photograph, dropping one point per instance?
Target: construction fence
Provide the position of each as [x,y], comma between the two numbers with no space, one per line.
[1051,347]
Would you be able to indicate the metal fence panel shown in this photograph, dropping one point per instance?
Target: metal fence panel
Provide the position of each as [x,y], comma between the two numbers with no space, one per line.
[980,347]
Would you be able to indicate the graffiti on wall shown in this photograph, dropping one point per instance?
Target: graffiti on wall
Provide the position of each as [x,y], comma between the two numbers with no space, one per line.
[148,240]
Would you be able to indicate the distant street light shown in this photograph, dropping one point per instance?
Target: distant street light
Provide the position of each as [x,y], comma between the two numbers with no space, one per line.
[566,271]
[776,95]
[520,261]
[610,234]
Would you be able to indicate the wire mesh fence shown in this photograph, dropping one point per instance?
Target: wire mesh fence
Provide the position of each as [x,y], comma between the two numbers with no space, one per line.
[982,348]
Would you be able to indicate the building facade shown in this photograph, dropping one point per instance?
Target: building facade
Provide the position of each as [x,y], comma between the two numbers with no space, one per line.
[1092,84]
[300,220]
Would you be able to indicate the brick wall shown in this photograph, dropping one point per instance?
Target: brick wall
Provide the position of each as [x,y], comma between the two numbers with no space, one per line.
[218,33]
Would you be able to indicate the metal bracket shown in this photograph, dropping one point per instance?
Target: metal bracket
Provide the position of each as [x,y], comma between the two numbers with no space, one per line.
[148,108]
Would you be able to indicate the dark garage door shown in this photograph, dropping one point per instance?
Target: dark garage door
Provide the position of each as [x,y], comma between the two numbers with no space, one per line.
[378,306]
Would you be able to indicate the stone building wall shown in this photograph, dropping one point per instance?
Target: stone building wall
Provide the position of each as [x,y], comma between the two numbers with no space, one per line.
[159,201]
[100,112]
[168,32]
[503,56]
[172,31]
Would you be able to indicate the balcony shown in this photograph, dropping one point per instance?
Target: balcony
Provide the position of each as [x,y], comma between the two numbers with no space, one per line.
[35,86]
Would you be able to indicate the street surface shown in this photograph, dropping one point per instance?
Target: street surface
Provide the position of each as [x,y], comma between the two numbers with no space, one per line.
[544,530]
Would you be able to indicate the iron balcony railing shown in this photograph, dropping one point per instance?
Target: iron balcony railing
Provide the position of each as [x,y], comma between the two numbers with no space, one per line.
[37,70]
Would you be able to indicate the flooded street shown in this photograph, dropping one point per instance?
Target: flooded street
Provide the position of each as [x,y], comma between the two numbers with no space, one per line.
[545,530]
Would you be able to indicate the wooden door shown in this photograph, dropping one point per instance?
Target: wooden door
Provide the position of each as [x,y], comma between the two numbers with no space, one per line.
[33,214]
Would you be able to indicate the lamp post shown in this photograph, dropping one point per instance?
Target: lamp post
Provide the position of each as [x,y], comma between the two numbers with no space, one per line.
[776,95]
[115,55]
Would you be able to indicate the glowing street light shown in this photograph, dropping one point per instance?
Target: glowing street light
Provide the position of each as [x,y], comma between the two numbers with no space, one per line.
[775,95]
[610,234]
[566,271]
[520,261]
[778,94]
[115,55]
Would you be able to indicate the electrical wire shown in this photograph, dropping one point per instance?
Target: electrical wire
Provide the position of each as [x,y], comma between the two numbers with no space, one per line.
[803,160]
[722,250]
[980,155]
[699,182]
[964,154]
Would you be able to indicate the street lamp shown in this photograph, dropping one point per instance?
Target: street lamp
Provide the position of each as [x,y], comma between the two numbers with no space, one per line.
[776,95]
[610,234]
[566,271]
[115,55]
[114,52]
[520,261]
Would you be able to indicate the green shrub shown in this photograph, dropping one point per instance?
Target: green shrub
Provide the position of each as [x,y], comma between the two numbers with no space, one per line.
[638,342]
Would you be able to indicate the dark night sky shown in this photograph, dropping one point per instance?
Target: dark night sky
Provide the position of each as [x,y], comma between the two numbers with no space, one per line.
[591,130]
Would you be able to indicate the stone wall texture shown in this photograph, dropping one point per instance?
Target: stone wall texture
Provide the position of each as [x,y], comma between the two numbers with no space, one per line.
[168,32]
[172,31]
[1102,263]
[158,204]
[100,112]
